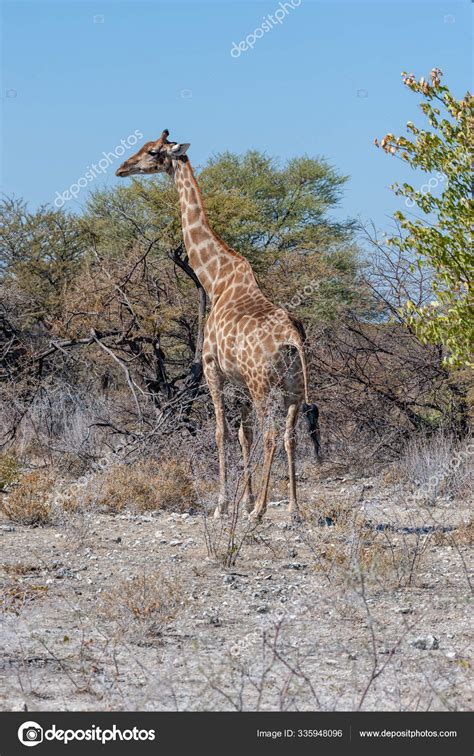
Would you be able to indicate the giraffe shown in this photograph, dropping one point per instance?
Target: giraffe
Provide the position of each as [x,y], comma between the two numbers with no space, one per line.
[248,341]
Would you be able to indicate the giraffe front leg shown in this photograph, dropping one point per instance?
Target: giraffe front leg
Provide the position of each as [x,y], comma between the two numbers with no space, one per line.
[269,446]
[245,439]
[222,503]
[215,382]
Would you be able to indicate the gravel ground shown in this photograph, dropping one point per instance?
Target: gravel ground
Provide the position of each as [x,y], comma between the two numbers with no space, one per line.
[362,605]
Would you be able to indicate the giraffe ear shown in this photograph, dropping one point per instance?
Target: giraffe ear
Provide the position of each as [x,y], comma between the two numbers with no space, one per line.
[179,149]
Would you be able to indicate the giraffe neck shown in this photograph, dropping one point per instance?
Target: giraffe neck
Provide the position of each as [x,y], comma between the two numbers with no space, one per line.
[213,262]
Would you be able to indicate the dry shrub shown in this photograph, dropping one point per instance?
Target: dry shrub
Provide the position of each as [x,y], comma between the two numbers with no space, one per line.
[351,551]
[330,509]
[15,596]
[10,471]
[19,569]
[438,466]
[145,603]
[332,554]
[462,535]
[144,487]
[175,486]
[206,488]
[31,503]
[374,559]
[73,501]
[391,475]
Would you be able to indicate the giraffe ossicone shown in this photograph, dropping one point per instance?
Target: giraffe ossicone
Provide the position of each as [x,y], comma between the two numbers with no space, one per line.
[248,341]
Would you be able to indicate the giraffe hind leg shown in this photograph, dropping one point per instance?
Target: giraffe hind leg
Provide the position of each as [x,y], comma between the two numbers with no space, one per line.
[290,444]
[293,390]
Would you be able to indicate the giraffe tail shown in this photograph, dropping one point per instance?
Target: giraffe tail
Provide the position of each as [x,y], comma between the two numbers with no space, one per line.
[310,410]
[311,417]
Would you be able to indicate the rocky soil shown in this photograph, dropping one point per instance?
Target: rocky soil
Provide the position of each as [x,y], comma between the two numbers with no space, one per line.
[362,605]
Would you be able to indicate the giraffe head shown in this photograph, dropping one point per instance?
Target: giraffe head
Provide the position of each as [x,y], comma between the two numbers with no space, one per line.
[153,157]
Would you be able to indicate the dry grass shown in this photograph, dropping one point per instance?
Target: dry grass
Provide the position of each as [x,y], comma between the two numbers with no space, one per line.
[371,556]
[31,502]
[330,509]
[437,466]
[19,569]
[460,536]
[464,535]
[10,471]
[16,595]
[391,475]
[142,487]
[350,549]
[143,605]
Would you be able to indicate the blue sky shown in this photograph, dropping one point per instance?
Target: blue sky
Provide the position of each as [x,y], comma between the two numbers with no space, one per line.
[80,76]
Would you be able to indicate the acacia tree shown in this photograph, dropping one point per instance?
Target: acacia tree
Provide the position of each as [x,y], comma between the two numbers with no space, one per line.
[441,238]
[106,307]
[40,254]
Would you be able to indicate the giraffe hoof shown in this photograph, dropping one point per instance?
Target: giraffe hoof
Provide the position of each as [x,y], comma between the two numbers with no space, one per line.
[218,514]
[255,514]
[295,518]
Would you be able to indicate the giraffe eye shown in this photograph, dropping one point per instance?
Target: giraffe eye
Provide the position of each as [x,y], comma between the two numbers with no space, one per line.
[153,152]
